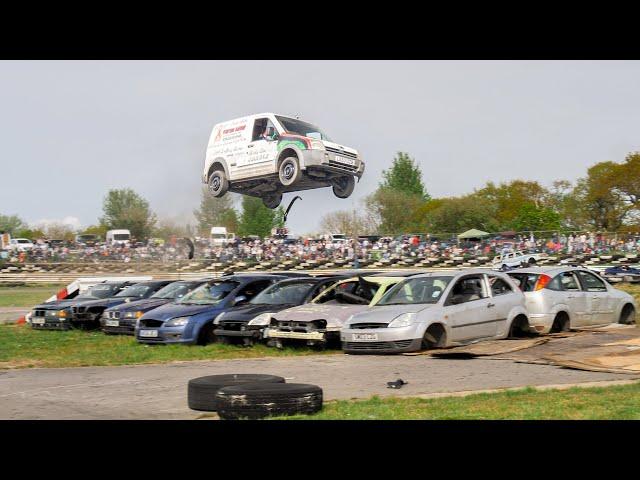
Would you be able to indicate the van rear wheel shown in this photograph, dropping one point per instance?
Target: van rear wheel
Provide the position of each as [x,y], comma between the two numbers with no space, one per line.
[343,186]
[272,201]
[218,183]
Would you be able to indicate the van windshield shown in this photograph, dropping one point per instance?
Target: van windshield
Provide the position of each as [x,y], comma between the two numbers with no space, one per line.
[121,236]
[305,129]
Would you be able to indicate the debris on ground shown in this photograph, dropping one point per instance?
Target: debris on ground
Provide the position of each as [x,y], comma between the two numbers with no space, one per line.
[397,384]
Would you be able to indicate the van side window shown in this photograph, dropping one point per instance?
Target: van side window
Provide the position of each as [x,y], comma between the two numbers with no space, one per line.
[260,128]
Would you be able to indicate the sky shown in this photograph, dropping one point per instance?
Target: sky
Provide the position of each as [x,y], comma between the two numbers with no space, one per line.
[72,130]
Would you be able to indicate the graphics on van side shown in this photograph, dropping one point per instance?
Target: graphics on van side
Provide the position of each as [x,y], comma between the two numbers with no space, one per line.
[288,139]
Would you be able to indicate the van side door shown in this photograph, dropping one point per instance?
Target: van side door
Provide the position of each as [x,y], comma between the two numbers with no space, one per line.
[261,150]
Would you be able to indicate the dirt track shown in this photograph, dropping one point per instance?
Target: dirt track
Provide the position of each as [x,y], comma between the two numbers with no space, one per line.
[159,391]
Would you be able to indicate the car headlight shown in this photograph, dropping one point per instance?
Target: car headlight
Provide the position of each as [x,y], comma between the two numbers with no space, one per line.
[403,320]
[218,318]
[62,314]
[178,322]
[263,319]
[137,314]
[317,145]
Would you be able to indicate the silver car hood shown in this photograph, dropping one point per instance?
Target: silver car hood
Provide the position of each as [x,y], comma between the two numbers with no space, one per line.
[335,315]
[386,313]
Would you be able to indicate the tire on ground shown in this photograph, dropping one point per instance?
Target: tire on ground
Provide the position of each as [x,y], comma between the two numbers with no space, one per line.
[261,400]
[201,391]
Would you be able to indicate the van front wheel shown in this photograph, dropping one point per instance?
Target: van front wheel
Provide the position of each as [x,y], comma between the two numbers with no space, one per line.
[343,186]
[218,183]
[289,171]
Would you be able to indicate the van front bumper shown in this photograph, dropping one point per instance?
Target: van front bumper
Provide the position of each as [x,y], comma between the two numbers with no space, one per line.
[326,161]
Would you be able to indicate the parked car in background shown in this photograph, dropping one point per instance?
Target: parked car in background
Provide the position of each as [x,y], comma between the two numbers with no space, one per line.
[320,321]
[190,319]
[622,273]
[87,239]
[56,315]
[122,318]
[87,314]
[559,298]
[517,259]
[246,324]
[438,309]
[21,244]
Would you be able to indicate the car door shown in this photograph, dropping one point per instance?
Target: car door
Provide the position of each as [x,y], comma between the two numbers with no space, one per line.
[467,309]
[503,298]
[574,297]
[261,151]
[599,301]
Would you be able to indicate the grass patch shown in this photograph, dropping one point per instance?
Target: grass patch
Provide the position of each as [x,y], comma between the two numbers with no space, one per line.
[620,402]
[26,295]
[23,347]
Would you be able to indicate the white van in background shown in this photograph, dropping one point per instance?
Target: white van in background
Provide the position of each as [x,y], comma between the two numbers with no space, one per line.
[118,237]
[220,236]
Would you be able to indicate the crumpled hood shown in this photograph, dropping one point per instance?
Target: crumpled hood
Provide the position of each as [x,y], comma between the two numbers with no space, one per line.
[249,312]
[335,315]
[172,310]
[140,305]
[386,313]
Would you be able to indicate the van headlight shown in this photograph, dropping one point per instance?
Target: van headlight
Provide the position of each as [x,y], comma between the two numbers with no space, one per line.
[403,320]
[317,145]
[177,322]
[261,320]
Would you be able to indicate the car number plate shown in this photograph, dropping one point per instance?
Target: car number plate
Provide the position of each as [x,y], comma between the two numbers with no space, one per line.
[112,323]
[363,337]
[148,333]
[37,321]
[348,161]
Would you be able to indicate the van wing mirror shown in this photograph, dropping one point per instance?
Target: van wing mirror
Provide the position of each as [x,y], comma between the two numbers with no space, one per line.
[271,133]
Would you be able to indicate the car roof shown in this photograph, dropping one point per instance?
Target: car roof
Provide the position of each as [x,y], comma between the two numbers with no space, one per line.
[548,270]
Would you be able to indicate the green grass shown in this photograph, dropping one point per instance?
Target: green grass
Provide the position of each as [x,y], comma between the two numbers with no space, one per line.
[23,347]
[621,402]
[26,296]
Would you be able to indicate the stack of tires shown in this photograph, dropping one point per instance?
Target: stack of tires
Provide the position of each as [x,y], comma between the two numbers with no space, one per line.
[252,396]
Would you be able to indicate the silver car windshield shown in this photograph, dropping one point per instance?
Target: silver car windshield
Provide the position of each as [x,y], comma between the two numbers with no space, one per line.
[283,294]
[305,129]
[208,294]
[416,290]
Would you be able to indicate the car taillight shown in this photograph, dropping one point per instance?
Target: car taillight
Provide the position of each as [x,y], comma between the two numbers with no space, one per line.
[542,282]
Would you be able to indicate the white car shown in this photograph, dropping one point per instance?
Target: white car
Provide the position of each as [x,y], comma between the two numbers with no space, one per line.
[439,309]
[516,259]
[559,298]
[21,244]
[266,155]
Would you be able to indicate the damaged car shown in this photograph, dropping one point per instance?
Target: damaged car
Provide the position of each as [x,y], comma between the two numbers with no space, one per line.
[56,315]
[246,324]
[122,318]
[86,315]
[437,310]
[319,322]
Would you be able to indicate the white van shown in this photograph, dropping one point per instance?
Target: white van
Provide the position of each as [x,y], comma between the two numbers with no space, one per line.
[220,236]
[121,237]
[265,155]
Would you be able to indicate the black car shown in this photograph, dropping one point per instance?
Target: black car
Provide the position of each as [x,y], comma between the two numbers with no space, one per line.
[56,315]
[245,324]
[86,315]
[122,318]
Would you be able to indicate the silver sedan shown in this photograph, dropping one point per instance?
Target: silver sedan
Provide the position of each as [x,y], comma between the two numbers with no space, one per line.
[439,309]
[559,298]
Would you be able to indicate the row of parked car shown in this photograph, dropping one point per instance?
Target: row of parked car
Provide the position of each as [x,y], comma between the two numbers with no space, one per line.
[362,312]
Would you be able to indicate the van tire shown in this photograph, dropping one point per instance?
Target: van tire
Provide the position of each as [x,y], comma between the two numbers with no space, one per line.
[343,186]
[218,183]
[201,391]
[272,201]
[289,171]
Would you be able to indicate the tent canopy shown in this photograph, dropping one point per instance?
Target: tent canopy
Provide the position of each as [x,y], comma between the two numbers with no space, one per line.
[473,233]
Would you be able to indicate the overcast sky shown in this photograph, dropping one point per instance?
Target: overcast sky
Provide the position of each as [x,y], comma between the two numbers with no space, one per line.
[69,131]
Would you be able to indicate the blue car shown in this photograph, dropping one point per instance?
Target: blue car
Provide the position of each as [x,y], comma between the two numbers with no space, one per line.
[122,318]
[190,319]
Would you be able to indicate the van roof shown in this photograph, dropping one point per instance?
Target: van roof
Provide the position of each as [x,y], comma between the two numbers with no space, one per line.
[254,115]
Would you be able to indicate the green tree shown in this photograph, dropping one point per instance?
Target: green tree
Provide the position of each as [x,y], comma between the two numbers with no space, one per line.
[508,198]
[457,214]
[11,224]
[216,212]
[100,230]
[532,218]
[396,211]
[404,176]
[255,219]
[124,208]
[278,220]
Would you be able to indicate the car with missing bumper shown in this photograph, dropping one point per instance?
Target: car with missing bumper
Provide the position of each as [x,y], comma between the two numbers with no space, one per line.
[246,324]
[56,315]
[190,319]
[122,318]
[87,314]
[437,310]
[559,298]
[266,155]
[319,322]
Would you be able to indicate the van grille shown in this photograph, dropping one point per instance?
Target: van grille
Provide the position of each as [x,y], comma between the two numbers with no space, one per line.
[337,151]
[342,166]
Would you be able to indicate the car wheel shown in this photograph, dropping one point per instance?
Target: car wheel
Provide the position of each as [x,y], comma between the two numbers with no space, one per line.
[206,335]
[289,171]
[272,201]
[628,315]
[218,183]
[201,391]
[434,337]
[343,186]
[561,323]
[519,327]
[260,400]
